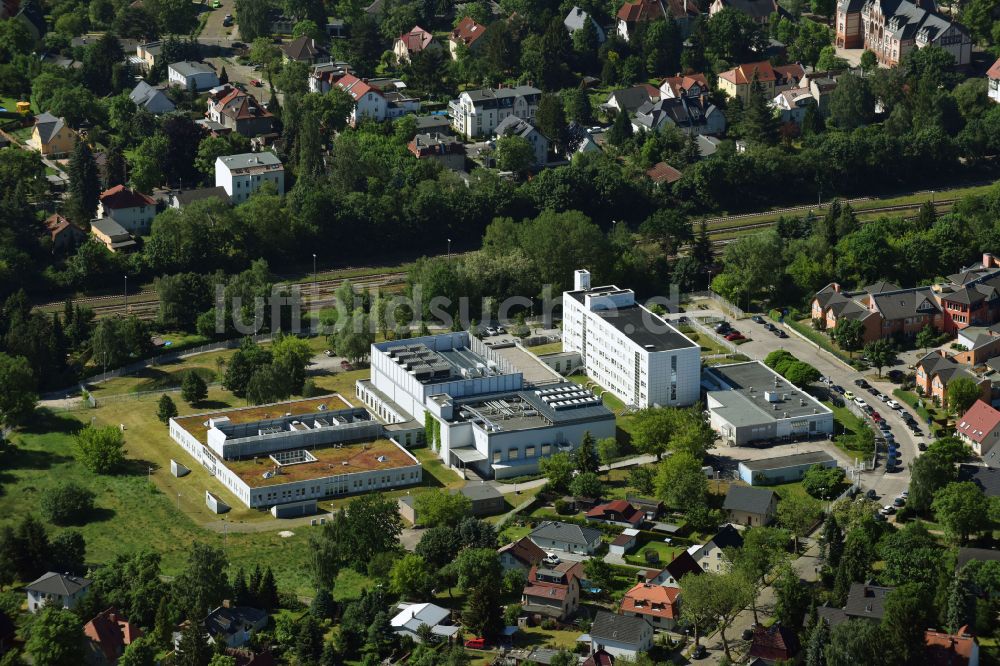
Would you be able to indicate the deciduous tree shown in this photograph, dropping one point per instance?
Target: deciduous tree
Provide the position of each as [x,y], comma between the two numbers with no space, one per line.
[101,450]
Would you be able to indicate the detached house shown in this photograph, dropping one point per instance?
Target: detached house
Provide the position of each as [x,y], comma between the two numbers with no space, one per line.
[477,113]
[108,635]
[521,554]
[993,82]
[654,603]
[64,235]
[51,137]
[620,635]
[242,175]
[444,148]
[151,98]
[566,537]
[672,574]
[304,49]
[689,85]
[577,18]
[234,110]
[412,616]
[372,102]
[514,126]
[234,626]
[134,211]
[629,100]
[774,644]
[417,40]
[618,512]
[738,81]
[553,591]
[691,115]
[467,34]
[193,76]
[61,590]
[711,556]
[637,12]
[746,505]
[979,427]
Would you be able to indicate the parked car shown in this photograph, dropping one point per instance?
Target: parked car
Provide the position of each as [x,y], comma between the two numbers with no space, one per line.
[771,327]
[874,391]
[860,383]
[894,405]
[329,352]
[781,334]
[922,446]
[905,494]
[871,494]
[757,319]
[915,429]
[227,22]
[344,365]
[476,643]
[889,509]
[501,330]
[879,516]
[735,335]
[838,388]
[883,397]
[849,395]
[699,652]
[216,4]
[723,327]
[899,501]
[876,416]
[860,403]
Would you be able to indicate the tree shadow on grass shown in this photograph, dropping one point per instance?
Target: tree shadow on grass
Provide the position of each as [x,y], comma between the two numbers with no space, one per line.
[212,404]
[20,458]
[44,422]
[138,467]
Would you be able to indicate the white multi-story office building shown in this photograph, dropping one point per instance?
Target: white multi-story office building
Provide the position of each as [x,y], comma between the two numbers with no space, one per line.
[627,349]
[242,175]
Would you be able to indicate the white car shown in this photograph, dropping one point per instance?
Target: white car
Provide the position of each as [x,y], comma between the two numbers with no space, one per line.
[860,403]
[894,405]
[883,397]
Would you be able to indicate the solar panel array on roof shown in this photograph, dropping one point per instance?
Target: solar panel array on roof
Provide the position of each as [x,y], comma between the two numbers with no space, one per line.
[567,397]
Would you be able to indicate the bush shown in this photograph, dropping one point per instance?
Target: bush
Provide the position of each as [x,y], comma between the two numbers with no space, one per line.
[562,507]
[67,504]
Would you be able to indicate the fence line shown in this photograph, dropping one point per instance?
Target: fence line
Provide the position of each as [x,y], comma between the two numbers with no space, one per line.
[704,330]
[152,361]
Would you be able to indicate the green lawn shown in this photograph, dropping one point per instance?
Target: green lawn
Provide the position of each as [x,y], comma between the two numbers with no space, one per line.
[666,552]
[349,585]
[132,514]
[549,348]
[924,408]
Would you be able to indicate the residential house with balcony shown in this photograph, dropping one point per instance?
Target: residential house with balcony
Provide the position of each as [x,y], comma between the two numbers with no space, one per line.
[374,103]
[687,85]
[133,210]
[691,115]
[236,111]
[656,604]
[831,304]
[553,592]
[56,589]
[478,113]
[892,28]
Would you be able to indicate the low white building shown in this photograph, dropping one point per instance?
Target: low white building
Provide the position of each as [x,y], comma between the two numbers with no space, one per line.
[627,349]
[134,211]
[750,402]
[194,76]
[792,104]
[243,175]
[477,113]
[56,589]
[412,616]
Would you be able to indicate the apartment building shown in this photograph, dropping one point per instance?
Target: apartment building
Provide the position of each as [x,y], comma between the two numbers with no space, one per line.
[478,113]
[627,349]
[242,175]
[892,28]
[738,81]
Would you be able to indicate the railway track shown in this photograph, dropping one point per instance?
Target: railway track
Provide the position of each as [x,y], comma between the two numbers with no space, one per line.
[145,304]
[739,229]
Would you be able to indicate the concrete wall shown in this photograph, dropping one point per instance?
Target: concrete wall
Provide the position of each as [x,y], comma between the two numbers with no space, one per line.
[779,475]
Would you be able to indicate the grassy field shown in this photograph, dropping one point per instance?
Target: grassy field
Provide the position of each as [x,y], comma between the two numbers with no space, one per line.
[549,348]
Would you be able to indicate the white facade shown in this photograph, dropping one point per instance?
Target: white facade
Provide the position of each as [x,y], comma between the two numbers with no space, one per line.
[134,219]
[462,402]
[296,491]
[993,82]
[477,113]
[195,76]
[627,349]
[242,175]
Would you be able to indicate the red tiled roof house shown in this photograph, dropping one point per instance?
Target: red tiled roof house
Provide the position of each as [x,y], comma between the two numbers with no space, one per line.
[553,592]
[134,211]
[979,427]
[108,635]
[654,603]
[617,512]
[467,34]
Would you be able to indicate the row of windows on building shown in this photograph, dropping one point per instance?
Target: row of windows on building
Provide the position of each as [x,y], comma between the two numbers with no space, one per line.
[515,453]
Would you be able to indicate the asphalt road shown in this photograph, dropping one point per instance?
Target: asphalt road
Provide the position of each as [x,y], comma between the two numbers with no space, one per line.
[762,342]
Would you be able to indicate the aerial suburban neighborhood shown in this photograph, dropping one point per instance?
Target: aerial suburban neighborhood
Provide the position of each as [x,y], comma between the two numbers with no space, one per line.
[502,332]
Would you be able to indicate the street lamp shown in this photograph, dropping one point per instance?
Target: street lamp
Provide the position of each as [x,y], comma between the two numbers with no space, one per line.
[449,249]
[315,284]
[126,294]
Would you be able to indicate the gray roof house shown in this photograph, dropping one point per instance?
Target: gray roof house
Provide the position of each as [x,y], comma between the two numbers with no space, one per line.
[566,537]
[196,76]
[711,556]
[577,18]
[746,505]
[987,478]
[690,115]
[58,589]
[234,625]
[863,601]
[411,616]
[966,555]
[620,635]
[151,98]
[48,126]
[183,198]
[514,126]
